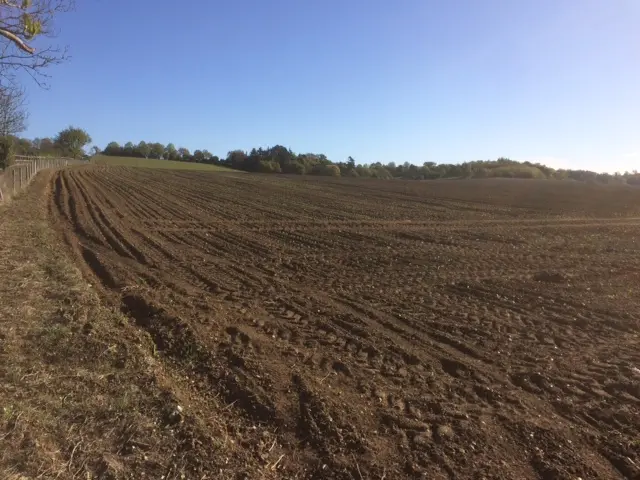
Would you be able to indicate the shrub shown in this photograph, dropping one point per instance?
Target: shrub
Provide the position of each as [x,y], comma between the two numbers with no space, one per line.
[516,171]
[6,152]
[269,166]
[294,167]
[326,170]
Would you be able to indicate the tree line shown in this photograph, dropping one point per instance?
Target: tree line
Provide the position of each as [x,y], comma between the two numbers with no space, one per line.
[69,142]
[279,159]
[157,151]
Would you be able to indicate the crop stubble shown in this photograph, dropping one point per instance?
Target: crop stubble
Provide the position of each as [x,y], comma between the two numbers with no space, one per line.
[482,329]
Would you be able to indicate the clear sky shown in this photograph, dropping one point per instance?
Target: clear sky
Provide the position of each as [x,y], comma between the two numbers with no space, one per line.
[556,81]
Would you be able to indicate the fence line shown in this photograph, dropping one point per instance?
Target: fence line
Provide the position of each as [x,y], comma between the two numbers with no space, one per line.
[16,177]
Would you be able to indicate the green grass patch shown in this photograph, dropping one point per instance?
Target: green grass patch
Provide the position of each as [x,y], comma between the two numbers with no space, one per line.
[154,163]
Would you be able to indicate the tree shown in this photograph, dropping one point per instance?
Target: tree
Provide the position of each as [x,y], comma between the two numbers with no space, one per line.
[114,149]
[129,149]
[143,149]
[95,150]
[236,159]
[294,167]
[184,154]
[6,152]
[327,170]
[21,21]
[71,141]
[269,166]
[22,146]
[46,146]
[13,114]
[198,156]
[157,150]
[170,153]
[351,163]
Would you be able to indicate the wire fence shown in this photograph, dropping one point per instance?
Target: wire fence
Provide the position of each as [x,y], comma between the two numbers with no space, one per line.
[15,178]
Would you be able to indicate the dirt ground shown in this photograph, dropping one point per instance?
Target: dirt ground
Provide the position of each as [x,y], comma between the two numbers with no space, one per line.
[281,327]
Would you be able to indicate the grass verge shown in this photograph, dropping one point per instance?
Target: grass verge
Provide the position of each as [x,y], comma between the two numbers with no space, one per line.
[82,394]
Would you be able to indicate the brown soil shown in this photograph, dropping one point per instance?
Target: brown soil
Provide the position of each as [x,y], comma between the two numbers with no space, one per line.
[323,328]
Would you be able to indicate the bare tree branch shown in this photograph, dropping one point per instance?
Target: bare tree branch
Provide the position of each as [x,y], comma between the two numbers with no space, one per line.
[18,41]
[20,23]
[13,112]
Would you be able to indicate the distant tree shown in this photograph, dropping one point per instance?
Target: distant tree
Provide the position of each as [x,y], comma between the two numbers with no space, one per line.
[129,149]
[157,150]
[46,147]
[143,149]
[351,163]
[294,167]
[280,154]
[207,156]
[170,152]
[95,150]
[269,166]
[71,141]
[198,156]
[113,149]
[13,113]
[326,170]
[185,154]
[22,146]
[364,171]
[237,159]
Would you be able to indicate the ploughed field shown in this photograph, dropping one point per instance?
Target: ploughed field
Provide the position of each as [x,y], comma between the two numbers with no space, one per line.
[344,328]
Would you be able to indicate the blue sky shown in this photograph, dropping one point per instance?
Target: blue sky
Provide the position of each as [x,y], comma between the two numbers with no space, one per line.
[448,81]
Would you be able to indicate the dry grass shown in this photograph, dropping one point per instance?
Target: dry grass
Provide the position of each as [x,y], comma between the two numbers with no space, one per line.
[56,355]
[81,394]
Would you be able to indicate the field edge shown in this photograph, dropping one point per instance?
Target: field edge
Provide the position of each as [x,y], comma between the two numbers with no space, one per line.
[84,394]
